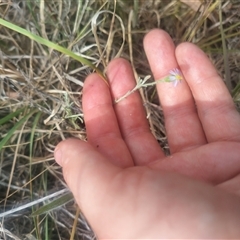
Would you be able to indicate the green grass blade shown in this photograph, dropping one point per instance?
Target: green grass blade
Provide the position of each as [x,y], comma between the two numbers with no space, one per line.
[32,133]
[215,37]
[10,116]
[49,44]
[13,129]
[54,204]
[236,91]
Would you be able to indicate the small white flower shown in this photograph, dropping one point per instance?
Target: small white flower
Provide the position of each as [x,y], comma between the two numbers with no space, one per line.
[175,76]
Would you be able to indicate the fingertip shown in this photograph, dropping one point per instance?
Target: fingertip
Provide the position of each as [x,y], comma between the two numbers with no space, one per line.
[121,77]
[86,172]
[185,48]
[58,155]
[95,92]
[153,36]
[153,32]
[61,150]
[191,58]
[181,53]
[160,51]
[118,67]
[92,81]
[116,63]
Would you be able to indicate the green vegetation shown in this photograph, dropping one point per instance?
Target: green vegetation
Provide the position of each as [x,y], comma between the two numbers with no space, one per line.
[47,49]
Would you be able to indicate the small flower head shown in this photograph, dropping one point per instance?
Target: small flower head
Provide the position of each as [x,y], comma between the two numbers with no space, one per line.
[175,76]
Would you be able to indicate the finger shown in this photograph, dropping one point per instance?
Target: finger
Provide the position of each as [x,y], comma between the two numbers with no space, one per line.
[183,127]
[101,122]
[88,175]
[216,109]
[213,162]
[232,185]
[131,114]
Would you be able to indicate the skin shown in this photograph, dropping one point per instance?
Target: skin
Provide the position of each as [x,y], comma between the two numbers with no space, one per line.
[122,181]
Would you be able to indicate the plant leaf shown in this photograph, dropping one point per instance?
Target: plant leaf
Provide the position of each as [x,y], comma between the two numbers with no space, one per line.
[54,204]
[50,45]
[10,116]
[13,129]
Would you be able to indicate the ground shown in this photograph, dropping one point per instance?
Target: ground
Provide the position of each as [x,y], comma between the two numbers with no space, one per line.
[41,90]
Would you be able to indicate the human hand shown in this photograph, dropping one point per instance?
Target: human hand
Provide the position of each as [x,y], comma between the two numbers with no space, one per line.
[121,179]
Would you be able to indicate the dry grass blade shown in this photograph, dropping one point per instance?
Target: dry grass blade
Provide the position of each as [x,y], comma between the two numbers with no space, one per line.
[110,38]
[195,5]
[49,83]
[225,51]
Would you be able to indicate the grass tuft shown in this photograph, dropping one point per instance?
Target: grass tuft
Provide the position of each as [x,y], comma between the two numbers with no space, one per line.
[47,49]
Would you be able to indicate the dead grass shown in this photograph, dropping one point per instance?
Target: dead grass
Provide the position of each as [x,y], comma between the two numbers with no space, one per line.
[48,85]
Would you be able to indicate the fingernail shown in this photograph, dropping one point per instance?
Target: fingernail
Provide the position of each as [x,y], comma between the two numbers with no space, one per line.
[58,155]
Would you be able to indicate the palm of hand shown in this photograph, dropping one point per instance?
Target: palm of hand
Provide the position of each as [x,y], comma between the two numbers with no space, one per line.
[126,164]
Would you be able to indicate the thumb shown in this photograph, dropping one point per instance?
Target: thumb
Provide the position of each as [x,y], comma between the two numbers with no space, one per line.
[87,173]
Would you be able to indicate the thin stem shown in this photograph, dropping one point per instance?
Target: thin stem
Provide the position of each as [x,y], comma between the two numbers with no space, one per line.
[140,84]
